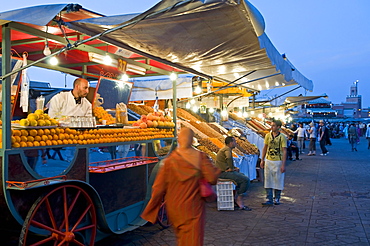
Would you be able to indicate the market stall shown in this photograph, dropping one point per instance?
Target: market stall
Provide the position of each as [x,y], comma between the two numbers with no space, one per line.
[90,197]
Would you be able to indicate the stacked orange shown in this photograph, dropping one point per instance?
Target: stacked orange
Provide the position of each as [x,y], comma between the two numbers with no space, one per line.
[101,114]
[60,136]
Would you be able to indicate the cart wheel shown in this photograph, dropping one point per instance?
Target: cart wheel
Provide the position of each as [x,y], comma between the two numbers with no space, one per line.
[65,216]
[162,217]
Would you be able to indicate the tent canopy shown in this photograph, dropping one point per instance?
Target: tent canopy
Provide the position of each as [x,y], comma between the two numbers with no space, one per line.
[221,39]
[303,99]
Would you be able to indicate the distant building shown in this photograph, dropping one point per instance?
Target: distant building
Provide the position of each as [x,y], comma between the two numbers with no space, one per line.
[352,107]
[320,108]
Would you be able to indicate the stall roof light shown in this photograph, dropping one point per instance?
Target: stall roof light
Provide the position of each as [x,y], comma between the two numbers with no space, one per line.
[53,61]
[114,63]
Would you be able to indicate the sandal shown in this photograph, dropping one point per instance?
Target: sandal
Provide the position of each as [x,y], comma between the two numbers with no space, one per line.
[246,208]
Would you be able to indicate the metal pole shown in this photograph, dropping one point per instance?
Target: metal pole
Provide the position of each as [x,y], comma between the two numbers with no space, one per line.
[174,105]
[6,89]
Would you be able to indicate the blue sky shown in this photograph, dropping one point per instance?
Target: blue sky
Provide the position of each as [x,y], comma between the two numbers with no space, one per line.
[327,41]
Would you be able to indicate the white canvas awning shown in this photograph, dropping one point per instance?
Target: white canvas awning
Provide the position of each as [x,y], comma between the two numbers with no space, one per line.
[224,40]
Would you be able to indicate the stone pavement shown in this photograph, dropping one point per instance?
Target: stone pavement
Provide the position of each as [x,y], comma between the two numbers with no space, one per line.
[326,201]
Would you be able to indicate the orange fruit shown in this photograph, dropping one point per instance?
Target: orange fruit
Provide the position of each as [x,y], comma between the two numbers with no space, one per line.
[60,142]
[44,137]
[61,136]
[61,130]
[23,139]
[57,130]
[29,144]
[84,142]
[75,141]
[67,130]
[50,137]
[14,140]
[40,132]
[48,142]
[46,131]
[33,132]
[36,143]
[17,139]
[70,141]
[54,142]
[23,144]
[55,137]
[52,131]
[42,143]
[16,145]
[16,133]
[81,137]
[65,141]
[79,142]
[38,138]
[30,139]
[24,133]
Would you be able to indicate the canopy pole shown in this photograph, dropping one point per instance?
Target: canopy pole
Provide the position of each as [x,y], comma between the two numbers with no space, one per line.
[6,89]
[174,105]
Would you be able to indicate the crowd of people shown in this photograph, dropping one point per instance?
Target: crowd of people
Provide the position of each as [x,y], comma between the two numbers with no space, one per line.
[322,132]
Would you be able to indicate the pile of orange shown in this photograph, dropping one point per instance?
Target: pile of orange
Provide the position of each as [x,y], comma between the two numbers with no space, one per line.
[61,136]
[102,114]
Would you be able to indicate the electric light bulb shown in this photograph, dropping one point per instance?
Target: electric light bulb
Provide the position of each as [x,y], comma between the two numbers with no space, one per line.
[198,90]
[47,50]
[124,77]
[53,61]
[173,76]
[211,110]
[107,60]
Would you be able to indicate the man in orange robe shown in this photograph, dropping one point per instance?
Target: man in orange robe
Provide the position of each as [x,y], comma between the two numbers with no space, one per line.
[177,182]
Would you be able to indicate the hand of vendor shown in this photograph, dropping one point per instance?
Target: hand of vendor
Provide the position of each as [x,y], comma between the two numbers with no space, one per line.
[262,164]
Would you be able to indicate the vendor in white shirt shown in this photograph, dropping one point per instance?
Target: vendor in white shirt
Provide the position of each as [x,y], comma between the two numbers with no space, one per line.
[71,103]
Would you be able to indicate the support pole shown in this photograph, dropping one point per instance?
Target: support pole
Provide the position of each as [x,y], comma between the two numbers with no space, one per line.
[6,89]
[174,105]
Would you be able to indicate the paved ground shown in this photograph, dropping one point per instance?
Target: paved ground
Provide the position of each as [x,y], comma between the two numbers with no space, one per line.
[326,201]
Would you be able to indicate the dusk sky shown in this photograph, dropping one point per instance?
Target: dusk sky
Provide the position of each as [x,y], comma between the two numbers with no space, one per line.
[327,41]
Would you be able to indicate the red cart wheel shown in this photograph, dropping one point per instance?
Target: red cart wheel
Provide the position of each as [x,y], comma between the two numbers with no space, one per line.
[65,216]
[162,217]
